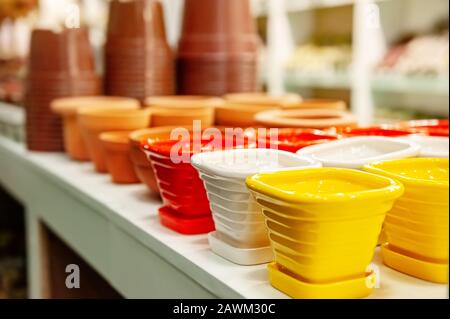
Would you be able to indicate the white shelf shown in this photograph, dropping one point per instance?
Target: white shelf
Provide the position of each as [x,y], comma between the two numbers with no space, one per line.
[414,84]
[295,80]
[116,230]
[260,6]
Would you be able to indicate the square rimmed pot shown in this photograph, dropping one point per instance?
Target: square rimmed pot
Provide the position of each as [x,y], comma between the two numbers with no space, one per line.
[417,232]
[241,235]
[323,225]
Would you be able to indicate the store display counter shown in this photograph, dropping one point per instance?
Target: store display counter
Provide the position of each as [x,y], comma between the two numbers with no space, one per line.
[116,230]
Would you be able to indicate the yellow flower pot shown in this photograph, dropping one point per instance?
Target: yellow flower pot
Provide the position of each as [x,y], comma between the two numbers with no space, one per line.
[417,227]
[323,225]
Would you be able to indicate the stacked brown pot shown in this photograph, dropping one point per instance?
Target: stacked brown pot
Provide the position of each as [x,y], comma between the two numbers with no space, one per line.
[138,60]
[218,49]
[61,64]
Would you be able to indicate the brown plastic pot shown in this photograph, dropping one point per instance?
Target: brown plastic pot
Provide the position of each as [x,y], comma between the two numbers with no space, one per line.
[61,64]
[68,107]
[140,162]
[218,49]
[138,60]
[94,121]
[117,155]
[305,118]
[315,104]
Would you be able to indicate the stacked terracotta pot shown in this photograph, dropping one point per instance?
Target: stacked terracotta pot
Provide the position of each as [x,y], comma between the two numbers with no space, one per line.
[138,60]
[60,64]
[218,50]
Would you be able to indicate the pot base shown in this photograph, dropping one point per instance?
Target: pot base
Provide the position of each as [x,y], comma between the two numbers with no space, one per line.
[185,225]
[240,256]
[354,288]
[425,270]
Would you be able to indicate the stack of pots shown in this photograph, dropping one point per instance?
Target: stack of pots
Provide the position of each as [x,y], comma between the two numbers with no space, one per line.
[416,228]
[218,50]
[61,64]
[138,60]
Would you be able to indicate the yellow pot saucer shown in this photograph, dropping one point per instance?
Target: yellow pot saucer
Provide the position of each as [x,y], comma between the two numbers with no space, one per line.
[434,272]
[349,289]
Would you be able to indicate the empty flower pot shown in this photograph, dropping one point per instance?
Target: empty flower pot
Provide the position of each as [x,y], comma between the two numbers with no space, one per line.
[117,154]
[431,146]
[428,127]
[380,130]
[183,110]
[323,225]
[141,164]
[417,233]
[68,107]
[94,121]
[292,140]
[241,235]
[316,104]
[186,207]
[305,118]
[355,152]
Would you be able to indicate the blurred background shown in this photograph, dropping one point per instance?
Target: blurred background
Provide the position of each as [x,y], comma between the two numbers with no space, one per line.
[387,59]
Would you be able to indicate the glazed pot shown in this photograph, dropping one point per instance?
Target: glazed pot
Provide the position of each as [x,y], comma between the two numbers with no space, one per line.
[307,118]
[186,207]
[263,99]
[292,140]
[416,229]
[241,235]
[428,127]
[141,164]
[68,107]
[318,254]
[94,121]
[355,152]
[378,130]
[431,146]
[117,155]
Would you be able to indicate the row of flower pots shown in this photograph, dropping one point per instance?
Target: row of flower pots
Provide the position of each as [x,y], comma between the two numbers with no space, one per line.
[263,205]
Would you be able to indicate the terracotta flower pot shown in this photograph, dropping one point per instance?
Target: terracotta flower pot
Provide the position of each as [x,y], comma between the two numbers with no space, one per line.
[68,107]
[94,121]
[263,99]
[141,164]
[307,118]
[315,104]
[182,110]
[117,154]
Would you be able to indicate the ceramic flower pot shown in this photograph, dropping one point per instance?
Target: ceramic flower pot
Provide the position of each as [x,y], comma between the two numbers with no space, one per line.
[307,118]
[241,235]
[430,146]
[318,254]
[428,127]
[355,152]
[292,140]
[141,164]
[378,130]
[68,107]
[94,121]
[186,207]
[117,154]
[416,229]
